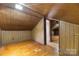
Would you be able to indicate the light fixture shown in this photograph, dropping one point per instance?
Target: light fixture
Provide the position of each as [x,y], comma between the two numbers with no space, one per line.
[18,6]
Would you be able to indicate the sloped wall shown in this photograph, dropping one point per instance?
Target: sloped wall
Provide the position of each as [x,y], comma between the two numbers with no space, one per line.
[15,36]
[38,32]
[69,37]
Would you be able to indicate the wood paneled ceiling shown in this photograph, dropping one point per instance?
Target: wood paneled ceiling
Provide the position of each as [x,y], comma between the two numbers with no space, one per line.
[69,13]
[26,19]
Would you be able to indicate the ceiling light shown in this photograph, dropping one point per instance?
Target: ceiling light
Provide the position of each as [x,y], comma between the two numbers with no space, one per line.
[18,6]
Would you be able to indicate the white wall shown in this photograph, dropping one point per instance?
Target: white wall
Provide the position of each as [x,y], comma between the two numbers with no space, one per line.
[15,36]
[38,32]
[48,31]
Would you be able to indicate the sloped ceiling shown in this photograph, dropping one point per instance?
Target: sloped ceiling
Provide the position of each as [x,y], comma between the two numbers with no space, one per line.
[26,19]
[69,13]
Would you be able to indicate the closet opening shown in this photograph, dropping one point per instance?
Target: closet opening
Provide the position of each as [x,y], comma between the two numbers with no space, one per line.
[54,31]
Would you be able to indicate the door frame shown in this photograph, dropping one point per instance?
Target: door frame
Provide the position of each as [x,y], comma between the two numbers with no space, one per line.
[51,33]
[45,41]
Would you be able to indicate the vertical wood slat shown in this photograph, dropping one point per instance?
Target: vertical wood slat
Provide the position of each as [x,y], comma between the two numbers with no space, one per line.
[62,31]
[69,35]
[67,44]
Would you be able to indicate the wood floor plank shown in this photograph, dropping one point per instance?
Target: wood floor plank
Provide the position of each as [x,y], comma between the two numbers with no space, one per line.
[26,48]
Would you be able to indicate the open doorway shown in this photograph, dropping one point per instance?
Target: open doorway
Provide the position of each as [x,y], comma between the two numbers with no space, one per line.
[54,31]
[54,35]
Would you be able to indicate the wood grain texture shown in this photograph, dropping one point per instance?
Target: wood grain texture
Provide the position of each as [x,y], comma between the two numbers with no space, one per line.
[11,19]
[68,12]
[69,35]
[14,19]
[26,48]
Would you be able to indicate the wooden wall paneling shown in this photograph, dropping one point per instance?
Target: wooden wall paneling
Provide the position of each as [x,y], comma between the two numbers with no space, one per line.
[15,36]
[60,43]
[78,41]
[62,37]
[67,42]
[69,38]
[76,38]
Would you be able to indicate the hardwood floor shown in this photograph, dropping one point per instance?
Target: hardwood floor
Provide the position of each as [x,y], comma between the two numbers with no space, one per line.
[26,48]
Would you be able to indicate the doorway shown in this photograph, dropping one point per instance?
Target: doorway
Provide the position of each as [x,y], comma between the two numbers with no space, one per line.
[54,31]
[55,34]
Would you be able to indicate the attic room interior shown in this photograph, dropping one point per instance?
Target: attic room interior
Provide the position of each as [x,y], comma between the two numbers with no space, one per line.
[39,29]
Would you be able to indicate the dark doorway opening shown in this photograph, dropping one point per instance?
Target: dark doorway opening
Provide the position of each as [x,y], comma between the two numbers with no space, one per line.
[54,31]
